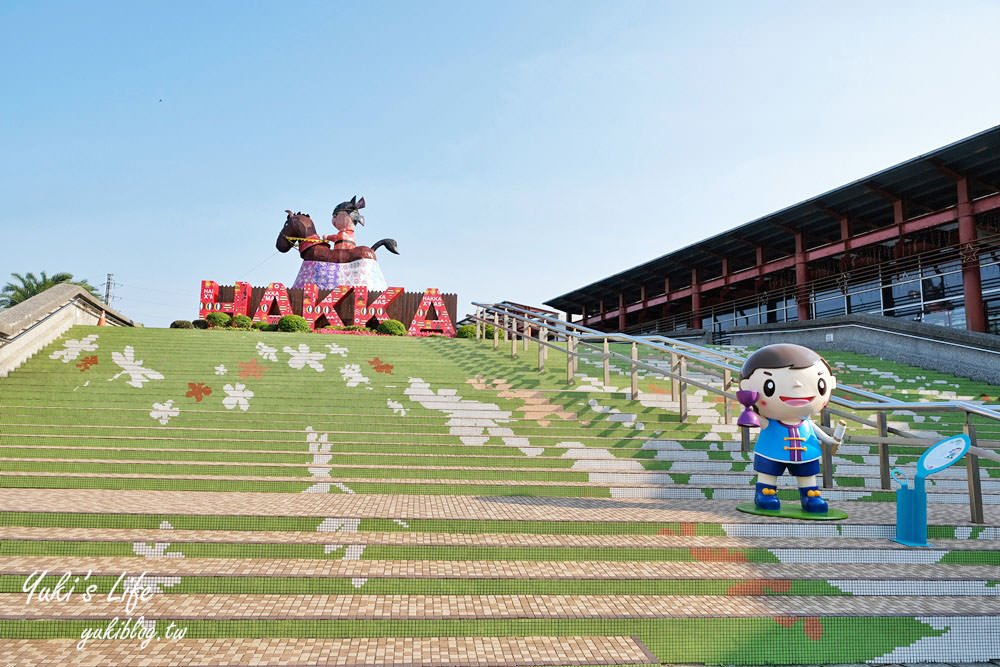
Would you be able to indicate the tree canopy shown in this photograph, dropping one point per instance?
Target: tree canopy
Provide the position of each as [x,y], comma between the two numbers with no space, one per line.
[22,288]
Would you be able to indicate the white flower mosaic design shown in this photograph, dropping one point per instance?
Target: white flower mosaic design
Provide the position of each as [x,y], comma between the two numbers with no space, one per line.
[73,347]
[352,375]
[319,447]
[397,407]
[303,357]
[164,412]
[154,584]
[221,370]
[266,351]
[238,396]
[336,349]
[137,373]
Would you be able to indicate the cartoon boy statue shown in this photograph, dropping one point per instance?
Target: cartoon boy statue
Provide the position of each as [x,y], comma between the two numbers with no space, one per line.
[781,386]
[345,217]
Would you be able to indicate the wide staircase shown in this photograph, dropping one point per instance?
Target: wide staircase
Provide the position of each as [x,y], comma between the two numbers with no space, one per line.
[246,498]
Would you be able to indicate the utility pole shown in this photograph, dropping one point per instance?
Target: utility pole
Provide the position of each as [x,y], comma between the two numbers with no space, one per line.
[107,290]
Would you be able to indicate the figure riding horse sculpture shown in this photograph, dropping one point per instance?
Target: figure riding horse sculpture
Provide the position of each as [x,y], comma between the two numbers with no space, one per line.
[344,264]
[300,230]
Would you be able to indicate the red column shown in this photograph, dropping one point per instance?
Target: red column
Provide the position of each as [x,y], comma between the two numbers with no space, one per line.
[801,278]
[972,284]
[695,300]
[621,311]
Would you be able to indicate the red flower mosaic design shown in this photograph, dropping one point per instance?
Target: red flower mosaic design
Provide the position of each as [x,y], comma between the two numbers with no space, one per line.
[380,366]
[87,362]
[813,626]
[760,587]
[251,369]
[685,530]
[198,390]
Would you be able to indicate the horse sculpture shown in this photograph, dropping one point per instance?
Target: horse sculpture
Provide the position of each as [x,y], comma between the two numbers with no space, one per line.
[299,230]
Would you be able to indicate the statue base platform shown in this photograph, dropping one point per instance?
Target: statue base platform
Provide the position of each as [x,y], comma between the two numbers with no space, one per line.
[331,275]
[794,512]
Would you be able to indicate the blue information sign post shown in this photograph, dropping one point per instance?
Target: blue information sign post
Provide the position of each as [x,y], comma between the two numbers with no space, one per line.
[911,503]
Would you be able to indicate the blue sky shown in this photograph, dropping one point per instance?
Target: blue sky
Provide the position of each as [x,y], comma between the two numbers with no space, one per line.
[514,150]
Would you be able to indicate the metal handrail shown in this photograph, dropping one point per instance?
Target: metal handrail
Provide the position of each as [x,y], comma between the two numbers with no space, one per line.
[681,352]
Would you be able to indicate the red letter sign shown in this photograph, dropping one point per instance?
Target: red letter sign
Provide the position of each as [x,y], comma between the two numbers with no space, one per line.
[364,312]
[240,304]
[421,323]
[274,292]
[327,308]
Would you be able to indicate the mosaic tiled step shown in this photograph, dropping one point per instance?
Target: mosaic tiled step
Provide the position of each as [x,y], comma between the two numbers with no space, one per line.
[732,569]
[775,640]
[453,607]
[930,556]
[519,469]
[348,652]
[664,540]
[438,507]
[436,483]
[278,585]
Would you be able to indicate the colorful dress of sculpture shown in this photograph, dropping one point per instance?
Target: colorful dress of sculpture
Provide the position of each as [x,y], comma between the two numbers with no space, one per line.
[781,386]
[346,263]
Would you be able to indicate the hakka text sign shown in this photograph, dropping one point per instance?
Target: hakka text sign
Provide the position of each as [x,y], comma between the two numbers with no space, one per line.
[424,312]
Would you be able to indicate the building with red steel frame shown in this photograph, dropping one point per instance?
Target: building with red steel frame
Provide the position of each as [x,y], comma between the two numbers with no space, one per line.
[920,240]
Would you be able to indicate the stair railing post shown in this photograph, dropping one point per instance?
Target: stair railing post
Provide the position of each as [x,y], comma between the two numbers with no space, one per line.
[576,355]
[972,471]
[513,337]
[683,402]
[496,330]
[827,453]
[675,367]
[635,371]
[479,325]
[607,363]
[569,359]
[883,449]
[525,333]
[727,379]
[542,335]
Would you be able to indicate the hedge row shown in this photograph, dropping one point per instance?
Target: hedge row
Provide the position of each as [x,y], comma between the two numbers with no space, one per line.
[288,323]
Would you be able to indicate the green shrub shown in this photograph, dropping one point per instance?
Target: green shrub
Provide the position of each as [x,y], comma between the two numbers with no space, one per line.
[181,324]
[218,320]
[489,333]
[466,331]
[267,326]
[200,324]
[391,328]
[293,324]
[241,322]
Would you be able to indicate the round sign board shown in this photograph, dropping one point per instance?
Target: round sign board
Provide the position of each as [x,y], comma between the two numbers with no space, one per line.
[943,454]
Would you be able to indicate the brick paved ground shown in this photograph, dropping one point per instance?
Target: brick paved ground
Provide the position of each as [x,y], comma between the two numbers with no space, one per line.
[358,652]
[511,508]
[458,539]
[315,567]
[431,607]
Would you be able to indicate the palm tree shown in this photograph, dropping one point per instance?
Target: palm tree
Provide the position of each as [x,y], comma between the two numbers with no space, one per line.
[29,285]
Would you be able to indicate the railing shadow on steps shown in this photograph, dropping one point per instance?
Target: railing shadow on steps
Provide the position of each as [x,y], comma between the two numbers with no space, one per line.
[550,332]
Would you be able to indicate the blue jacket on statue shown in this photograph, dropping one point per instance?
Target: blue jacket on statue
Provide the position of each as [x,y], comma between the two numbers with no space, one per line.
[788,444]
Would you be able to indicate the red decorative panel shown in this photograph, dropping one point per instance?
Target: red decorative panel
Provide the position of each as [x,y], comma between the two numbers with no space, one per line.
[275,293]
[240,305]
[363,312]
[422,325]
[327,308]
